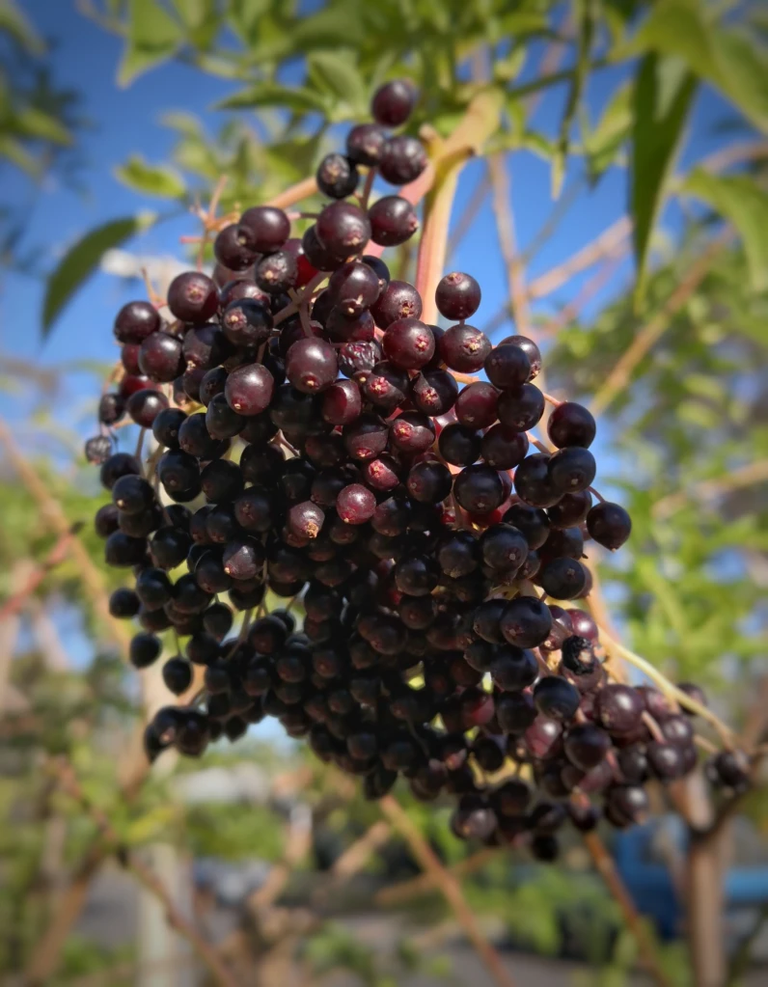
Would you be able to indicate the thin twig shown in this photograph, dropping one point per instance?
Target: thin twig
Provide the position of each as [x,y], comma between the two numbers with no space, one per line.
[396,894]
[668,688]
[607,869]
[742,476]
[52,514]
[56,555]
[69,783]
[619,377]
[450,888]
[505,227]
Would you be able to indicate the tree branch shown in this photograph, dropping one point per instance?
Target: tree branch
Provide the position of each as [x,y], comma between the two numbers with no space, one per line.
[646,338]
[449,887]
[69,783]
[606,867]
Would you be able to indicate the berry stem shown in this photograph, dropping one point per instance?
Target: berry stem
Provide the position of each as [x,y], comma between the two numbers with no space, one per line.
[552,400]
[367,188]
[597,494]
[668,688]
[449,157]
[301,190]
[310,286]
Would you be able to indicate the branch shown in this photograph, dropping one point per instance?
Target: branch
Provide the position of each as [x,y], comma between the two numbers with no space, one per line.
[69,783]
[606,867]
[448,158]
[619,377]
[45,957]
[52,514]
[505,227]
[424,883]
[744,476]
[603,246]
[56,555]
[450,888]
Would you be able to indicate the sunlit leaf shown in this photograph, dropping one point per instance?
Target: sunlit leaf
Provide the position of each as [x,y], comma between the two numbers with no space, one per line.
[724,56]
[271,94]
[149,179]
[153,37]
[14,22]
[742,201]
[663,95]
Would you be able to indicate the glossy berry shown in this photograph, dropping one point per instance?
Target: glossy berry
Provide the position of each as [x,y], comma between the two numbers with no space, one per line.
[337,176]
[609,524]
[311,365]
[249,389]
[555,698]
[464,348]
[135,321]
[393,102]
[393,221]
[234,247]
[160,357]
[571,424]
[192,297]
[269,227]
[144,407]
[402,160]
[365,143]
[277,272]
[355,504]
[457,296]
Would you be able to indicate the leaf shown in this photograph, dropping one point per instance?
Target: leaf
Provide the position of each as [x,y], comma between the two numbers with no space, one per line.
[336,76]
[602,145]
[82,259]
[35,123]
[13,22]
[581,71]
[739,199]
[296,100]
[15,152]
[723,56]
[153,36]
[662,100]
[149,179]
[244,15]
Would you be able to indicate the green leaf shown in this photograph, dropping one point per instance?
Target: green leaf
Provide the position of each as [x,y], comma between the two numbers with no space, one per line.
[739,199]
[81,260]
[13,22]
[272,94]
[335,75]
[662,100]
[586,18]
[153,36]
[603,144]
[244,15]
[723,56]
[15,152]
[149,179]
[35,123]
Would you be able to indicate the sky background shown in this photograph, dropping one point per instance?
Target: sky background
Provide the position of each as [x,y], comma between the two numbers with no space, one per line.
[122,122]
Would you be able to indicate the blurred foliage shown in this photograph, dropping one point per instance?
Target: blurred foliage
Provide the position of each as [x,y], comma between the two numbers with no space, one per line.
[39,122]
[687,437]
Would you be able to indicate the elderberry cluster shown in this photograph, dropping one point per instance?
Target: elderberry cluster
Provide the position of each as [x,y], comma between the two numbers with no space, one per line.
[324,444]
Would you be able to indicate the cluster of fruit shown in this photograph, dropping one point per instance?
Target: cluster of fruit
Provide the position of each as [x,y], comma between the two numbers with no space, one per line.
[328,454]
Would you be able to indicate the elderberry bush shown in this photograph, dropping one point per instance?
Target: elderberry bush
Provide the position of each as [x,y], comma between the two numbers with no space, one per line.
[313,438]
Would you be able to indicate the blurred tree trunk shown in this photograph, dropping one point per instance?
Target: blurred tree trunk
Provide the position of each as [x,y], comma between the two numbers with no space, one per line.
[704,888]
